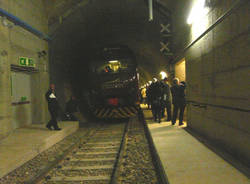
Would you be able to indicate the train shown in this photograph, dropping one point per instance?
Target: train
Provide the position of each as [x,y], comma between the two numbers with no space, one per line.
[114,91]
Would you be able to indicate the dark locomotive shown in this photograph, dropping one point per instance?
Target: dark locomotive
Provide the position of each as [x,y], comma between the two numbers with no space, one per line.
[114,88]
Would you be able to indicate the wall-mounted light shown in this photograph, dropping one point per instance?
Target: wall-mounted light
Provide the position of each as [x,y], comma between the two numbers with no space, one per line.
[42,53]
[6,23]
[4,53]
[163,74]
[198,11]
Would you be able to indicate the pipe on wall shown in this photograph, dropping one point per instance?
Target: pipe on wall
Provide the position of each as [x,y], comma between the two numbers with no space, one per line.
[24,25]
[150,6]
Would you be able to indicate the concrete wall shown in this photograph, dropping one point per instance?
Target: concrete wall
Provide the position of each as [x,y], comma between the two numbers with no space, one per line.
[217,75]
[16,42]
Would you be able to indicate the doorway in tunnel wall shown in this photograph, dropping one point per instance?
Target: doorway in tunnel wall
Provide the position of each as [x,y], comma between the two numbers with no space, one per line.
[180,72]
[21,99]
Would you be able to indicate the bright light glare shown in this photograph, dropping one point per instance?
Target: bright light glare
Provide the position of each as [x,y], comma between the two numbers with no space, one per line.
[163,75]
[197,12]
[114,61]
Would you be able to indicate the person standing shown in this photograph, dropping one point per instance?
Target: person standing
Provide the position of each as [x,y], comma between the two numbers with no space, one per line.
[53,107]
[167,98]
[179,101]
[148,95]
[156,94]
[71,108]
[143,94]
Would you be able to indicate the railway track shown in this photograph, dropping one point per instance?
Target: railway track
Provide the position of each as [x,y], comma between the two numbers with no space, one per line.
[92,161]
[96,153]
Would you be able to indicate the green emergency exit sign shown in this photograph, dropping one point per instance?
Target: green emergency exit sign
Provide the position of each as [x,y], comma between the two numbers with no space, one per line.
[25,61]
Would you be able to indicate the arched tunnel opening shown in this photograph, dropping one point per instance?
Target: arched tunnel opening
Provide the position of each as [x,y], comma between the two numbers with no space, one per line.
[185,40]
[96,25]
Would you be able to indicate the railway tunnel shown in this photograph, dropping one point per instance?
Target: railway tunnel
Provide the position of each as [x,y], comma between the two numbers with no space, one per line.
[125,24]
[202,42]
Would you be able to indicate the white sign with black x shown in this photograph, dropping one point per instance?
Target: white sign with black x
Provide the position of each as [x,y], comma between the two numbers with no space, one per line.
[165,28]
[164,46]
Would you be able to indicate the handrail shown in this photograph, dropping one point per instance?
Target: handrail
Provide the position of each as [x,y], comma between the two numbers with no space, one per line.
[204,105]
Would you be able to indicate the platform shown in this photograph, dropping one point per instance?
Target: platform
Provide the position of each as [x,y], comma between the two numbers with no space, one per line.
[25,143]
[186,160]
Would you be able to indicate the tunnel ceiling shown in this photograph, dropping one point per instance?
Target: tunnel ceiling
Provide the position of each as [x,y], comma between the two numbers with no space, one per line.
[79,26]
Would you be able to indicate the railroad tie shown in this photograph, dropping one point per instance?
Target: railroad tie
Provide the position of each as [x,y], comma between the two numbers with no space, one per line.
[96,153]
[91,159]
[102,143]
[110,166]
[101,147]
[79,178]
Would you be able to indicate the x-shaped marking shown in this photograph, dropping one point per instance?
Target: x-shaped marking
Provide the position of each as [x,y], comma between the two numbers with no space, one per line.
[164,47]
[165,28]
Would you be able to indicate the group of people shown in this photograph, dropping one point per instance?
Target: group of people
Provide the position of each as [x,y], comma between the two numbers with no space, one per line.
[53,106]
[160,96]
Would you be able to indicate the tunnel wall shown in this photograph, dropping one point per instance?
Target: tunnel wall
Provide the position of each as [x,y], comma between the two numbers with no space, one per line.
[16,42]
[217,69]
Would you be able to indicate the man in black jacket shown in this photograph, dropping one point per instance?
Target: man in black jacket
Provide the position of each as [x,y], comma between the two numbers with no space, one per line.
[167,98]
[179,100]
[71,108]
[53,107]
[156,93]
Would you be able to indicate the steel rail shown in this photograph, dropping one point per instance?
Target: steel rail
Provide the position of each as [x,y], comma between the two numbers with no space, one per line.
[161,175]
[204,105]
[39,176]
[114,174]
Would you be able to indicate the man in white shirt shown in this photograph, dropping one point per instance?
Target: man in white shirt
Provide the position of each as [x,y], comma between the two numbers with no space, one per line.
[53,107]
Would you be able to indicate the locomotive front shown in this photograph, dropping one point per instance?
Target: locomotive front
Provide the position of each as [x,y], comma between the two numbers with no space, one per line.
[114,91]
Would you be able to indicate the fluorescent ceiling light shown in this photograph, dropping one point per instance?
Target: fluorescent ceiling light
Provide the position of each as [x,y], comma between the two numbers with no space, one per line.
[114,61]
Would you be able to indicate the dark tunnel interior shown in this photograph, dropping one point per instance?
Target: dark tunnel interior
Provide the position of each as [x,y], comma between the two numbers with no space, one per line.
[96,25]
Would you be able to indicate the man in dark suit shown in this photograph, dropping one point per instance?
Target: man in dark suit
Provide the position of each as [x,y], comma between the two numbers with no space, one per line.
[53,107]
[71,108]
[167,98]
[156,93]
[179,100]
